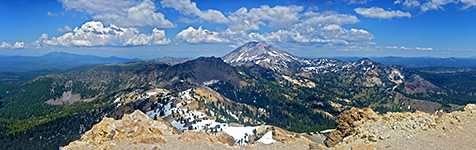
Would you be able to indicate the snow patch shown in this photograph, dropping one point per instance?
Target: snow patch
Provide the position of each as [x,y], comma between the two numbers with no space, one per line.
[267,138]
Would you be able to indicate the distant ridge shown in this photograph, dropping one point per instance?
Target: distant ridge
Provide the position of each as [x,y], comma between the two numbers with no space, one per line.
[172,60]
[419,61]
[58,60]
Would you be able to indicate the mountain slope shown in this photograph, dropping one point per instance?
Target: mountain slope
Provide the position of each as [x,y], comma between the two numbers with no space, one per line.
[105,81]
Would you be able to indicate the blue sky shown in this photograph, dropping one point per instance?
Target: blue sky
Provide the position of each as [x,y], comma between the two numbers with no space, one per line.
[190,28]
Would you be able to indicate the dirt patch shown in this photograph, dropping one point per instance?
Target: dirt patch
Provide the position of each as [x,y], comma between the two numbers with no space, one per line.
[68,98]
[425,106]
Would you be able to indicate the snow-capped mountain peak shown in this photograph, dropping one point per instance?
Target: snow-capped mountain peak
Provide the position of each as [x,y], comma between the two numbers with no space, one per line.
[257,52]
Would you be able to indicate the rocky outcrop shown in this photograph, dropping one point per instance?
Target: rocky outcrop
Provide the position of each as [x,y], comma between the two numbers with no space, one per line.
[138,131]
[356,127]
[346,123]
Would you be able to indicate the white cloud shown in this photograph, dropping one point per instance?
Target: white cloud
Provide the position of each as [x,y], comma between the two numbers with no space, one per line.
[6,45]
[356,1]
[281,36]
[313,18]
[65,29]
[321,29]
[396,47]
[277,17]
[188,7]
[52,14]
[411,3]
[330,34]
[123,13]
[426,5]
[376,12]
[468,3]
[17,44]
[290,24]
[187,20]
[407,48]
[424,49]
[192,35]
[94,33]
[435,4]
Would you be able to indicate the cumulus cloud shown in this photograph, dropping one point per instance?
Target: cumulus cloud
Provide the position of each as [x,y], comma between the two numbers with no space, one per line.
[192,35]
[188,7]
[321,29]
[376,12]
[94,33]
[435,4]
[123,13]
[281,23]
[278,17]
[408,3]
[17,44]
[312,18]
[6,45]
[325,30]
[287,24]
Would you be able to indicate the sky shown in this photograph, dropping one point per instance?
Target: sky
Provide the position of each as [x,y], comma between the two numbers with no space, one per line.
[148,29]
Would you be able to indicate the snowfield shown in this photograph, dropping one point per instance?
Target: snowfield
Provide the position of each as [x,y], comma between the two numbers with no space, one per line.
[195,120]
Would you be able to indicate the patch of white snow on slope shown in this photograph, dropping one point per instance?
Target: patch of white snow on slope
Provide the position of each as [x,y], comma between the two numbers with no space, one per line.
[267,138]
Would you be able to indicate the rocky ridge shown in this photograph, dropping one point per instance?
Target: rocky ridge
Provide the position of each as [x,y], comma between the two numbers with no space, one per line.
[363,128]
[356,129]
[138,131]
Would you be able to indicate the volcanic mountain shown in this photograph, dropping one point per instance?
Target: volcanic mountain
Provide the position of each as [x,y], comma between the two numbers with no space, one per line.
[257,52]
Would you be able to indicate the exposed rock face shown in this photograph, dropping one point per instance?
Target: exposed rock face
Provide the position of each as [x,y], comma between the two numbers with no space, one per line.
[356,129]
[346,123]
[138,131]
[417,130]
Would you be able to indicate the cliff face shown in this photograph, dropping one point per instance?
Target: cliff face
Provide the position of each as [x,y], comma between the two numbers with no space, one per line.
[363,128]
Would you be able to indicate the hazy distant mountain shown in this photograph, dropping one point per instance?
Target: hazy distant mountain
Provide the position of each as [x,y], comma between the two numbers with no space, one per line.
[419,61]
[172,60]
[59,60]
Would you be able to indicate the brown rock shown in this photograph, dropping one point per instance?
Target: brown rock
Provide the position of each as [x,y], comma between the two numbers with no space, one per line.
[363,147]
[152,140]
[346,122]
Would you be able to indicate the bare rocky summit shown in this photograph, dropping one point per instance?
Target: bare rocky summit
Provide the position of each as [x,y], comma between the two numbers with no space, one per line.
[356,129]
[138,131]
[364,129]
